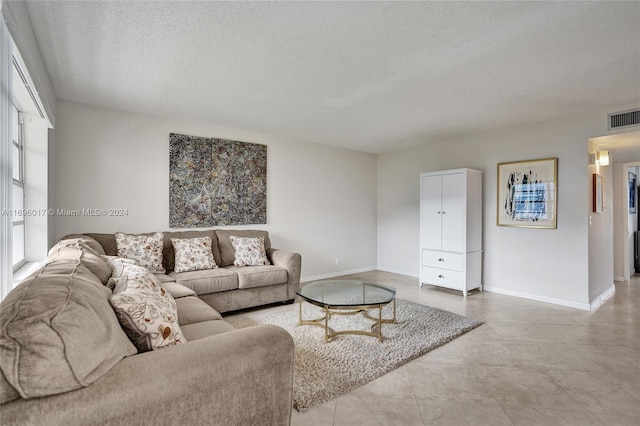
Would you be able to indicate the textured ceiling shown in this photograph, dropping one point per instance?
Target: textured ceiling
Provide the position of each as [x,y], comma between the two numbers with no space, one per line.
[368,76]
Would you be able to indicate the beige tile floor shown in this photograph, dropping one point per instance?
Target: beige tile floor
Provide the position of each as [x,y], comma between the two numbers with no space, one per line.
[530,363]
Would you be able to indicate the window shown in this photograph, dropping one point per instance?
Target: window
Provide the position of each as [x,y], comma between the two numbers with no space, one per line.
[17,136]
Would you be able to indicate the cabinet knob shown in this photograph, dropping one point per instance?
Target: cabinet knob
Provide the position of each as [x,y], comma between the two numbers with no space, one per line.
[441,260]
[439,212]
[440,276]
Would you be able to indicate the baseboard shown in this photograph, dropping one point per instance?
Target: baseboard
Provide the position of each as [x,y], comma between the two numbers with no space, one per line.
[336,274]
[602,297]
[397,271]
[618,278]
[562,302]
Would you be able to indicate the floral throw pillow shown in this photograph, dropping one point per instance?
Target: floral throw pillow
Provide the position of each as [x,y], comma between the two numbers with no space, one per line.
[193,254]
[144,249]
[249,251]
[117,266]
[146,311]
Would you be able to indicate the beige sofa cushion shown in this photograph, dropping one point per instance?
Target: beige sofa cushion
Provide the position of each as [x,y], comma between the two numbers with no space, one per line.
[192,310]
[107,241]
[146,311]
[200,330]
[227,252]
[58,332]
[259,276]
[7,392]
[89,242]
[223,252]
[164,278]
[177,290]
[207,281]
[78,248]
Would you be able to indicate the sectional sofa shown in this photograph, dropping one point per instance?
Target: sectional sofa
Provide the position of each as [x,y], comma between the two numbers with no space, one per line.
[228,287]
[66,357]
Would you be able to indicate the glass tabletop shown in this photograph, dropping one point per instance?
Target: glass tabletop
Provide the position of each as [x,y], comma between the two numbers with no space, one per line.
[346,293]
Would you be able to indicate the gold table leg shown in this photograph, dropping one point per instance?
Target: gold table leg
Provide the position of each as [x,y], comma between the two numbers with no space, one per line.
[329,333]
[326,325]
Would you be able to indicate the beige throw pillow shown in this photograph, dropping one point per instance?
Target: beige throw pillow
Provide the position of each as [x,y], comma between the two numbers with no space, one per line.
[249,251]
[146,311]
[144,249]
[193,254]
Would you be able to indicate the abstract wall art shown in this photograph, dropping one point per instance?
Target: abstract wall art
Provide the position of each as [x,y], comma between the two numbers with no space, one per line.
[528,193]
[215,182]
[597,193]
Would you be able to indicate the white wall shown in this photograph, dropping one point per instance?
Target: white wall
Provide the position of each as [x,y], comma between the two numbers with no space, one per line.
[321,201]
[619,227]
[601,233]
[542,264]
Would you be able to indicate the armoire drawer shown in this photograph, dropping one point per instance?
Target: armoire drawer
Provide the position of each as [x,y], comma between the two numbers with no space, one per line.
[443,277]
[440,259]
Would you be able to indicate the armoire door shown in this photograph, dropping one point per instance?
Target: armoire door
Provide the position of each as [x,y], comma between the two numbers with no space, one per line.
[453,212]
[431,212]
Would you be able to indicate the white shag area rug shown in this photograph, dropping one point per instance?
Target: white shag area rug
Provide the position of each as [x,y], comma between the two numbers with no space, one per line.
[324,371]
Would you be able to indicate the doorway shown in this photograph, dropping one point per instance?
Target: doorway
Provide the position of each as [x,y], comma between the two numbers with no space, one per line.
[624,158]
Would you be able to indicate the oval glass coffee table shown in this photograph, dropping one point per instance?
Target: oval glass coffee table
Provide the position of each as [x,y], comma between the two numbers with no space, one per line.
[348,297]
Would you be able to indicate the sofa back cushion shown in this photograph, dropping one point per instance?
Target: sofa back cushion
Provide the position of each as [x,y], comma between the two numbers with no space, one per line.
[223,251]
[77,248]
[58,331]
[227,252]
[107,241]
[88,242]
[109,245]
[7,392]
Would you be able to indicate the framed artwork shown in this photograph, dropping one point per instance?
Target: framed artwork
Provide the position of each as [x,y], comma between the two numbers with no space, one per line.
[528,193]
[597,193]
[215,182]
[633,183]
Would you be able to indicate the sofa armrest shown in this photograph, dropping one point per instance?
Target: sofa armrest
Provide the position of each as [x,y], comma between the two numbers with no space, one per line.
[292,262]
[240,377]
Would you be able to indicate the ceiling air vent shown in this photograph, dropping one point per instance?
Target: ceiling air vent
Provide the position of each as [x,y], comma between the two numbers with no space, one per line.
[625,118]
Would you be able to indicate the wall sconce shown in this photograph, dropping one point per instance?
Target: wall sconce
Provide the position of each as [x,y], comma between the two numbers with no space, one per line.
[603,158]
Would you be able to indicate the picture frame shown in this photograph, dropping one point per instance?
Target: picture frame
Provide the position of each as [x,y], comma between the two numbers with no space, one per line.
[598,183]
[528,194]
[633,183]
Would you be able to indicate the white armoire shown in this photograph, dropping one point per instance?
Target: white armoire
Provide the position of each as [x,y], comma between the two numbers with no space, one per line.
[451,229]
